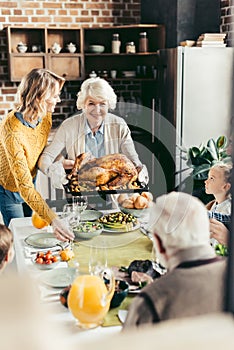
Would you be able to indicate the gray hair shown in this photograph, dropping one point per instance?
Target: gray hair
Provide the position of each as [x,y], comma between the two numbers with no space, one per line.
[97,88]
[180,220]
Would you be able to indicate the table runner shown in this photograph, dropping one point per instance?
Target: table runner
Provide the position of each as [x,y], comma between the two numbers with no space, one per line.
[140,248]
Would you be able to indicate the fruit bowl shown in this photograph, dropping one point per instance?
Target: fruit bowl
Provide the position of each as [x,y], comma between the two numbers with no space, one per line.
[46,261]
[87,230]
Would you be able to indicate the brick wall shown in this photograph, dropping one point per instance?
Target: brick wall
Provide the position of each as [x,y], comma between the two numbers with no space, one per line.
[57,13]
[227,20]
[72,13]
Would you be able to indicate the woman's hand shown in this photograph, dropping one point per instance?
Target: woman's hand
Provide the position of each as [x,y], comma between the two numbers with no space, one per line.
[219,231]
[68,163]
[61,231]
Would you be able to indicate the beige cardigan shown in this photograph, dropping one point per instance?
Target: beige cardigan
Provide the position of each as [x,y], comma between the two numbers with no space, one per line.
[70,137]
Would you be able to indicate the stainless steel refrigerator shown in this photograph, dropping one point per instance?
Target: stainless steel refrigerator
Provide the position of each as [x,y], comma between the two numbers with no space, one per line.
[195,96]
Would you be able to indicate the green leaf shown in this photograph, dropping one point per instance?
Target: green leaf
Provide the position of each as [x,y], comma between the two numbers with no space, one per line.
[222,142]
[211,147]
[204,168]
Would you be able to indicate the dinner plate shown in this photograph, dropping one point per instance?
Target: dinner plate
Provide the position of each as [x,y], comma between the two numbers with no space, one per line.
[90,215]
[42,240]
[59,278]
[118,231]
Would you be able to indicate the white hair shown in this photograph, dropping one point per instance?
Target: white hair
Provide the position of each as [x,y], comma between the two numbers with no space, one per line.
[180,220]
[98,89]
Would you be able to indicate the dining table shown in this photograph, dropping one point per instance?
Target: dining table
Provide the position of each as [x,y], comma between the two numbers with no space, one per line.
[119,248]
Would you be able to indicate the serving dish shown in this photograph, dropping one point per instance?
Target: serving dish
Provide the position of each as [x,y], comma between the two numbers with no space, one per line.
[123,230]
[90,215]
[101,193]
[96,48]
[47,264]
[120,293]
[138,213]
[87,230]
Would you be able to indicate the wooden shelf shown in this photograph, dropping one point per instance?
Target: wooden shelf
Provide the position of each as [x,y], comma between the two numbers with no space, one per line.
[78,65]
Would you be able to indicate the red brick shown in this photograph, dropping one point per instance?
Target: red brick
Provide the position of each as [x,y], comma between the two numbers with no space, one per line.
[41,19]
[9,91]
[66,5]
[30,4]
[16,19]
[95,6]
[8,4]
[63,19]
[51,5]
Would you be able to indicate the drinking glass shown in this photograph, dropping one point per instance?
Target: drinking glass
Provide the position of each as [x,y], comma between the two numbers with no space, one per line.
[79,203]
[69,215]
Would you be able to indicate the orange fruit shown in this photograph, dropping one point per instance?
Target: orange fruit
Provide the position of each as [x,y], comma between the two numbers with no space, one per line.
[37,221]
[67,254]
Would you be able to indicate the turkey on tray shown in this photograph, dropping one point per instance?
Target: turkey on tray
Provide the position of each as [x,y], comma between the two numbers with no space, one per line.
[108,173]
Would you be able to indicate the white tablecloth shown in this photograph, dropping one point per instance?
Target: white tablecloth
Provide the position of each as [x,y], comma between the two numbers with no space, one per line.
[58,314]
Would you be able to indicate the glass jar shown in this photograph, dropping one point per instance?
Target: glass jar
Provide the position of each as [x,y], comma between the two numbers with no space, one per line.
[130,47]
[143,42]
[116,43]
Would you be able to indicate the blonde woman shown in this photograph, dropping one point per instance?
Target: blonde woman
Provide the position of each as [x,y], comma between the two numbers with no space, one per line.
[24,134]
[94,130]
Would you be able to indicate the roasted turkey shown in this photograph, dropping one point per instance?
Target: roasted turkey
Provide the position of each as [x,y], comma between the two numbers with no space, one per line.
[110,172]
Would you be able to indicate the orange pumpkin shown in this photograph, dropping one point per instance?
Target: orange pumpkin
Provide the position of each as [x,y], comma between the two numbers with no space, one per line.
[37,221]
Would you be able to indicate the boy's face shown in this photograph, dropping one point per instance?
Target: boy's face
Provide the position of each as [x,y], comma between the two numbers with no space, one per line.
[215,184]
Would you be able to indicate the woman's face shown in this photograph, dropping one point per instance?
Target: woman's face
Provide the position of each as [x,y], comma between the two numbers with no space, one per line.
[95,111]
[54,99]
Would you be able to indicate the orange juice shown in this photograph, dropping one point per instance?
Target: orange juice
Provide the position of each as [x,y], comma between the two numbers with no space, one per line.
[89,300]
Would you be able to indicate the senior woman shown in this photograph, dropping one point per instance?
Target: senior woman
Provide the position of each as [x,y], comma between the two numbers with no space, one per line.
[24,134]
[94,130]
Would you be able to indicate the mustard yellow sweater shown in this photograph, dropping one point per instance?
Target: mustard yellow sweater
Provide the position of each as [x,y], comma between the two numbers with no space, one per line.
[20,148]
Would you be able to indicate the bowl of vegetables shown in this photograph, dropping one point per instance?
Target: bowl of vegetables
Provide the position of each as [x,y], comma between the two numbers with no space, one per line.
[87,230]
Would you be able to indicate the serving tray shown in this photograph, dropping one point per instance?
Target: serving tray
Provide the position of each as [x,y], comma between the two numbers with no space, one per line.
[105,192]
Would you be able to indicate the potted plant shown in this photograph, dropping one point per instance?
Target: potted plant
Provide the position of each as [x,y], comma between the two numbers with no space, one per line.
[201,159]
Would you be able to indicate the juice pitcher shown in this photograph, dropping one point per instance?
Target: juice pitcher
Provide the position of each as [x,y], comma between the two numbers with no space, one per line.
[89,298]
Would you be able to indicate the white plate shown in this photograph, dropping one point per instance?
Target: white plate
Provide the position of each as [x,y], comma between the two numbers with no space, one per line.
[59,278]
[90,215]
[42,240]
[122,314]
[118,231]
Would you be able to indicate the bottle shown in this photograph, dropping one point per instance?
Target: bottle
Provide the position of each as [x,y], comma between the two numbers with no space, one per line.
[143,42]
[130,47]
[116,43]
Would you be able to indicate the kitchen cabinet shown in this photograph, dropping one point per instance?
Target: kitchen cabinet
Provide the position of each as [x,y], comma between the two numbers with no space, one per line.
[39,42]
[140,64]
[78,65]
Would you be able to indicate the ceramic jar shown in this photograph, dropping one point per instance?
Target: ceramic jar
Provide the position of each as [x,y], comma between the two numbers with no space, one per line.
[71,47]
[21,47]
[56,48]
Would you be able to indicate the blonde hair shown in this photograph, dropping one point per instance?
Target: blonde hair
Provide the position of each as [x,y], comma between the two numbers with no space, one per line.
[226,168]
[98,89]
[180,220]
[35,88]
[6,241]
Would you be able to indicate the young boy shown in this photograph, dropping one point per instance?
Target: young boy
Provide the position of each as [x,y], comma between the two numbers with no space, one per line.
[6,247]
[219,184]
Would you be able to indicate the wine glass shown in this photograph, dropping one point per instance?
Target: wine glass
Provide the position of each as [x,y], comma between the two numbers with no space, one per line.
[69,215]
[79,204]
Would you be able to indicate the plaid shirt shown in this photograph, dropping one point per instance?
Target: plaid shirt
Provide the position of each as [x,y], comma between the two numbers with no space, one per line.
[224,218]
